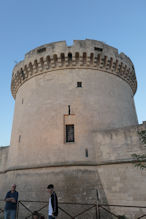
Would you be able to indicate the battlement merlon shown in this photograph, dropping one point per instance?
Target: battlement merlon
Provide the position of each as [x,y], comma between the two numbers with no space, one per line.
[82,54]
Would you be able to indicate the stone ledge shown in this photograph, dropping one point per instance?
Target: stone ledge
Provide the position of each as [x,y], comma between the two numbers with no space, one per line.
[71,164]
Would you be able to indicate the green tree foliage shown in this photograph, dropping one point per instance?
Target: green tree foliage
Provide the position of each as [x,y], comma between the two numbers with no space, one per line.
[141,159]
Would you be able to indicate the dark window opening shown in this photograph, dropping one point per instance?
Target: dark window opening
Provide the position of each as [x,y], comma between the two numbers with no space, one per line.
[69,57]
[30,66]
[19,138]
[70,133]
[79,84]
[36,64]
[91,58]
[55,58]
[22,73]
[22,100]
[98,49]
[68,109]
[41,61]
[86,152]
[48,61]
[62,58]
[41,50]
[84,57]
[77,57]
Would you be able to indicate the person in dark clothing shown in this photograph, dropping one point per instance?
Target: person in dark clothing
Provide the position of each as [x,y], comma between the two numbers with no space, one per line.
[53,203]
[37,215]
[11,203]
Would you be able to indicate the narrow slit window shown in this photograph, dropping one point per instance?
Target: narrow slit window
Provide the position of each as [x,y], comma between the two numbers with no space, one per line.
[70,133]
[86,152]
[19,138]
[79,84]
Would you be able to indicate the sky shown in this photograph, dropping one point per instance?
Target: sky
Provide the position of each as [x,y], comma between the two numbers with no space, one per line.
[27,24]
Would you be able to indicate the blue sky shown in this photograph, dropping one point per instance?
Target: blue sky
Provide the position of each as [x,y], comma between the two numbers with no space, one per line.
[26,24]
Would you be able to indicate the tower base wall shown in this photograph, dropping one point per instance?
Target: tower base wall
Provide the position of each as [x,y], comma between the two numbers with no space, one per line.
[120,184]
[113,174]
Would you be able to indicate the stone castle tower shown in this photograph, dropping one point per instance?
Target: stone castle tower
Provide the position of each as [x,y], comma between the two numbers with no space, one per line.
[75,125]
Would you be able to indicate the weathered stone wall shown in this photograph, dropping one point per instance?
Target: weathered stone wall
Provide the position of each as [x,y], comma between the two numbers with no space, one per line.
[123,183]
[104,101]
[45,83]
[112,173]
[3,158]
[117,145]
[105,121]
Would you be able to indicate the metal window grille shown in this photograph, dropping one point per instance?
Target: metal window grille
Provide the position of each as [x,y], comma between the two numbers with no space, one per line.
[79,84]
[70,133]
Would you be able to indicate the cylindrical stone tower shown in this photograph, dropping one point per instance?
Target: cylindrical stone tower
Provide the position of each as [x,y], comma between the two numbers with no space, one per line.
[63,95]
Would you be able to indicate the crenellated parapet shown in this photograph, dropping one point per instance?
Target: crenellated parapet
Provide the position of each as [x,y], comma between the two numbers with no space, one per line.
[83,54]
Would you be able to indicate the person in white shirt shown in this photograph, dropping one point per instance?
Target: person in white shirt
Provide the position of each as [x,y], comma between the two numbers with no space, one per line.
[53,203]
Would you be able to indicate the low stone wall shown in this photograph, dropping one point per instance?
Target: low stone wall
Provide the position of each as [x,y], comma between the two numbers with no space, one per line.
[113,174]
[117,145]
[3,158]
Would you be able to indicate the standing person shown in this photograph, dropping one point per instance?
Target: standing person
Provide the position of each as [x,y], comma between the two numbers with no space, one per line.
[53,203]
[11,203]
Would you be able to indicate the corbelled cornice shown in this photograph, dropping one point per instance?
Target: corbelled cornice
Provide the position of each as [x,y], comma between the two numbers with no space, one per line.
[84,54]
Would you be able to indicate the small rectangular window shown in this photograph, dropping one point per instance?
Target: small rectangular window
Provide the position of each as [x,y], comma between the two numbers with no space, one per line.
[98,49]
[41,50]
[70,133]
[79,84]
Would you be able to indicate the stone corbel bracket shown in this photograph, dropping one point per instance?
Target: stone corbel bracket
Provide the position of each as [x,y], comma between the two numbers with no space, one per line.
[83,54]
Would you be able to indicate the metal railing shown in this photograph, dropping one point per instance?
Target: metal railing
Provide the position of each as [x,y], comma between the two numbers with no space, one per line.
[95,210]
[1,207]
[103,206]
[67,213]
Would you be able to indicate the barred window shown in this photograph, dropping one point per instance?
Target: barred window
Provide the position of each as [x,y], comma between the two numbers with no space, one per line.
[79,84]
[70,133]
